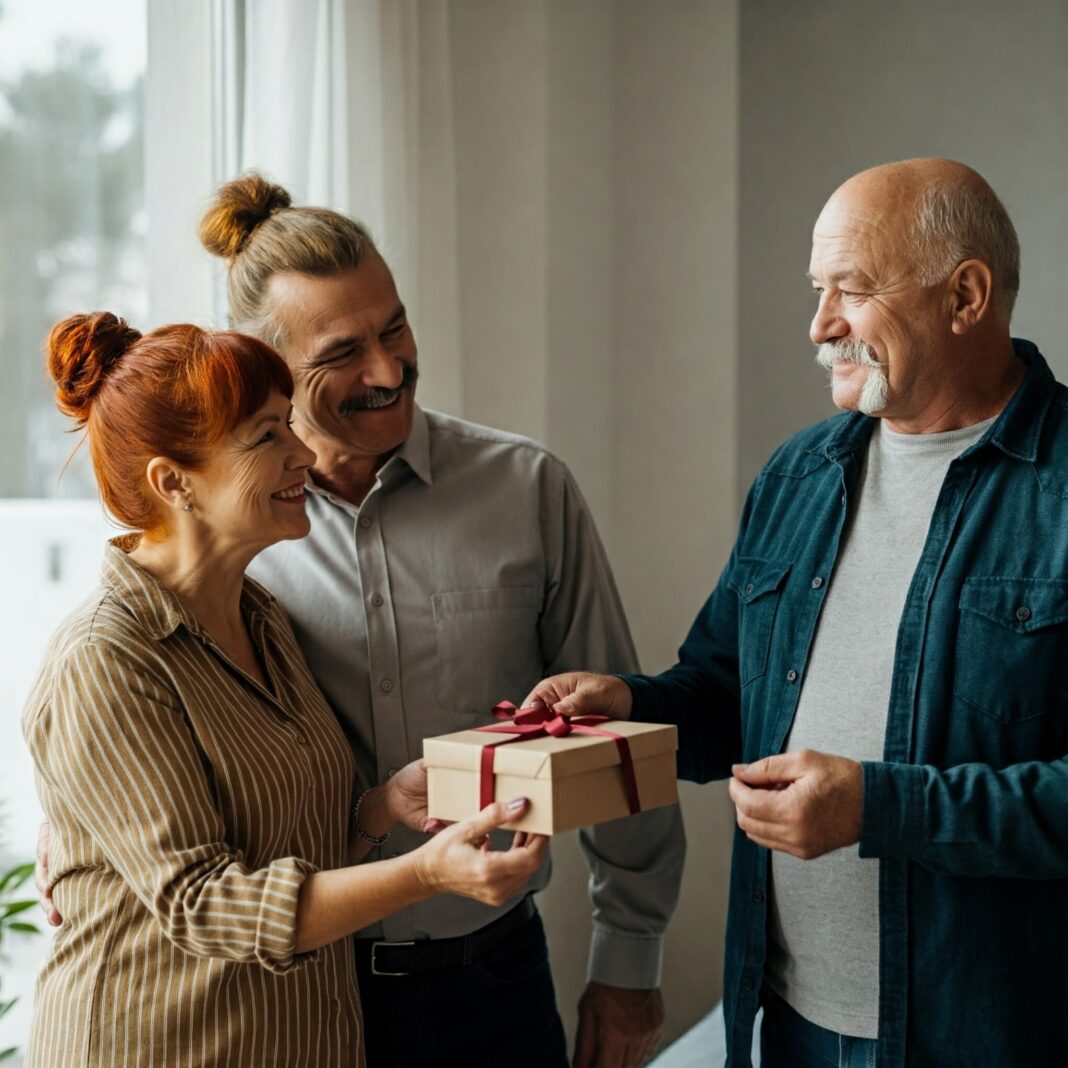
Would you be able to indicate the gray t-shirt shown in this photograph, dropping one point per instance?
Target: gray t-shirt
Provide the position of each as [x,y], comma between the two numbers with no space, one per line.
[823,929]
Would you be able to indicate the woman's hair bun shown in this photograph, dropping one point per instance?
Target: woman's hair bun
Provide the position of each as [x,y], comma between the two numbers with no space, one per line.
[238,208]
[81,351]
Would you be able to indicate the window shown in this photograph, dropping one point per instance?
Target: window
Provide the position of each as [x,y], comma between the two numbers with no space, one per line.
[72,238]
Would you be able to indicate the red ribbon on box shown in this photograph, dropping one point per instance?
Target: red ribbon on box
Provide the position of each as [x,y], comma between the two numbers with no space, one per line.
[538,721]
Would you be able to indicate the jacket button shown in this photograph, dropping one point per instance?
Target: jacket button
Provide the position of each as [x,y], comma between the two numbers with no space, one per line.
[386,685]
[791,675]
[1023,613]
[365,521]
[378,600]
[749,588]
[758,896]
[817,582]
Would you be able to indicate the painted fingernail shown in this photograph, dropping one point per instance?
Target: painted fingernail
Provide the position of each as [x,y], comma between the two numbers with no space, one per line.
[517,804]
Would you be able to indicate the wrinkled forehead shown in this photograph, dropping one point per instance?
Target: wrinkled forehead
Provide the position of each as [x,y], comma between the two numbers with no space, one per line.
[310,307]
[857,231]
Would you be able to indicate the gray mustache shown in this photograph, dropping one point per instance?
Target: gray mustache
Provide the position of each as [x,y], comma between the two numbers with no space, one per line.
[848,351]
[379,397]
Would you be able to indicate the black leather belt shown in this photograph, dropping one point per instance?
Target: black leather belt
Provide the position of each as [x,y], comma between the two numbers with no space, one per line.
[434,954]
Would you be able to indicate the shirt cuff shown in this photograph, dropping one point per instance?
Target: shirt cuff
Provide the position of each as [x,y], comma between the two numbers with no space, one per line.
[629,961]
[643,706]
[276,948]
[893,818]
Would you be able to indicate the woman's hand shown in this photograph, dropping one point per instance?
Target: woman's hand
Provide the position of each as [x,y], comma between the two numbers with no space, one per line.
[335,903]
[459,860]
[581,693]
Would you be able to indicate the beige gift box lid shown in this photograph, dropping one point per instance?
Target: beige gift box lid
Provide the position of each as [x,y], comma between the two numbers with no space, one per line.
[571,782]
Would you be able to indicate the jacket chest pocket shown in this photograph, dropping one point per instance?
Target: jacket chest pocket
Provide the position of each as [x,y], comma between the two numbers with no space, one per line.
[1012,646]
[488,646]
[758,585]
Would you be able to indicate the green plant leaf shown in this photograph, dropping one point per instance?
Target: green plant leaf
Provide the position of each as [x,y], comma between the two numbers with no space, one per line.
[13,908]
[23,928]
[13,879]
[9,1052]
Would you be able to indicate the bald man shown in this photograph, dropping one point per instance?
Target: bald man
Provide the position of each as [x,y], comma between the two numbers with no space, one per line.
[881,670]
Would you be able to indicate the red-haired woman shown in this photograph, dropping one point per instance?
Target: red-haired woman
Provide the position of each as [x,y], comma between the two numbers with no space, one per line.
[198,786]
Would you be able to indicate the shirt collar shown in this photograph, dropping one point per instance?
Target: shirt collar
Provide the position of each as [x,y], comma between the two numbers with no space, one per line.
[157,609]
[414,452]
[1016,431]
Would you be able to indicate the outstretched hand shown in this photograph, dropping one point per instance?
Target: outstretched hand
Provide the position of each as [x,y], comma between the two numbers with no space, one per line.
[804,803]
[459,859]
[581,693]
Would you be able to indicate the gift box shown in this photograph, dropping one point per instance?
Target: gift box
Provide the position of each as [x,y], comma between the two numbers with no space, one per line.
[575,771]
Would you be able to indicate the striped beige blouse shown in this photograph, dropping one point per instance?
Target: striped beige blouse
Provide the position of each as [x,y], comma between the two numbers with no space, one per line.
[187,804]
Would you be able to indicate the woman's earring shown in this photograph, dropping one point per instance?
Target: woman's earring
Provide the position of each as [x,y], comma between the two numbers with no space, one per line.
[187,507]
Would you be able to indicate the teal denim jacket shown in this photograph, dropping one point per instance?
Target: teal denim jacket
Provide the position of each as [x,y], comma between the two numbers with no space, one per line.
[968,809]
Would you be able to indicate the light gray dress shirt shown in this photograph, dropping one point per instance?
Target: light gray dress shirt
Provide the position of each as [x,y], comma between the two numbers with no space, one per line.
[471,570]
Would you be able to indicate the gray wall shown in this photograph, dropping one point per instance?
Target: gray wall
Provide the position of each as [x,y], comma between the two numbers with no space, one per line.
[829,87]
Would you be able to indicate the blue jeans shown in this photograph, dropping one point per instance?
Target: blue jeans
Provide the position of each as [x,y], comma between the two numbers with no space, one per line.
[501,1009]
[788,1040]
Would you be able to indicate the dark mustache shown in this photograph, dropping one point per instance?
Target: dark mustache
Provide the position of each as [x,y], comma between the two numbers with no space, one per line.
[379,396]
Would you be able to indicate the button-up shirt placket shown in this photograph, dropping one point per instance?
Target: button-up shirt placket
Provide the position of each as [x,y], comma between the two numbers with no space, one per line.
[900,745]
[384,671]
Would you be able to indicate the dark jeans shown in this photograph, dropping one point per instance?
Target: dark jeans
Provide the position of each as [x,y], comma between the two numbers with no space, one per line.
[788,1040]
[499,1010]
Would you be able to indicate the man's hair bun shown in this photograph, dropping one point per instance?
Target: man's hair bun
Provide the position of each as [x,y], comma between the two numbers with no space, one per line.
[81,352]
[237,209]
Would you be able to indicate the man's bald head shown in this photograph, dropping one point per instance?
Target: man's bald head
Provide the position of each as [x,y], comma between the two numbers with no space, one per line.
[938,213]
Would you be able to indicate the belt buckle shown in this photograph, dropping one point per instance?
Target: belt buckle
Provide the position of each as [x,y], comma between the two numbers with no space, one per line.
[375,970]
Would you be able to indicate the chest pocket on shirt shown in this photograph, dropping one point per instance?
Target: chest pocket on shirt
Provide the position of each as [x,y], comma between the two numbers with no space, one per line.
[1012,646]
[758,584]
[488,647]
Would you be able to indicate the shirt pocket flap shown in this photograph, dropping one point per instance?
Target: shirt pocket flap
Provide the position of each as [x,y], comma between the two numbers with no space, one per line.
[525,599]
[751,578]
[1022,605]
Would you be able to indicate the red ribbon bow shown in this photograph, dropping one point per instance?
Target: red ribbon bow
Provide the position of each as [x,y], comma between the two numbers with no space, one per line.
[539,721]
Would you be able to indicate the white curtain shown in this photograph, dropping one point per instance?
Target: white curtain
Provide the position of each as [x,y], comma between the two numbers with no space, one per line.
[348,104]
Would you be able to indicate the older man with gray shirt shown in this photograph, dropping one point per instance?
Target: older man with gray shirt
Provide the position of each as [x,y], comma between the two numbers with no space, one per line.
[880,670]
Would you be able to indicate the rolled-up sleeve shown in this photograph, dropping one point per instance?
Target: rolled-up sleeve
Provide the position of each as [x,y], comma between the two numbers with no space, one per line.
[112,743]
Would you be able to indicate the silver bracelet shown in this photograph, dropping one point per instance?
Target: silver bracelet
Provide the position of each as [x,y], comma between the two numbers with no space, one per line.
[375,840]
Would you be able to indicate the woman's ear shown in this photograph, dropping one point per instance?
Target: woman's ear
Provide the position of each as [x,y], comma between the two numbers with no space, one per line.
[971,288]
[169,484]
